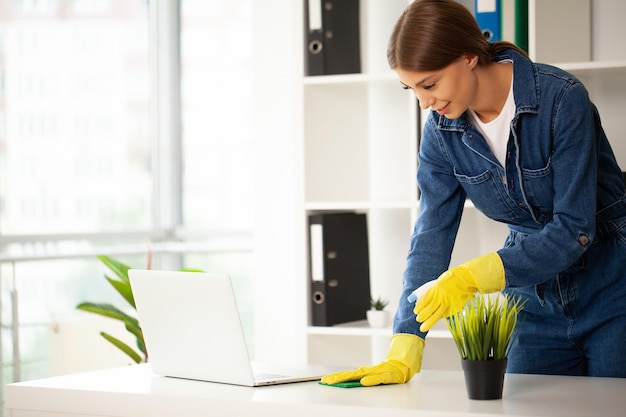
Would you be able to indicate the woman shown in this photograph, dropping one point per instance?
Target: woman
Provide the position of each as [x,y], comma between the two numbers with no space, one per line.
[525,144]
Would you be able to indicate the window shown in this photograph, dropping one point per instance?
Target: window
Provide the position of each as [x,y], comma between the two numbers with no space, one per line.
[217,73]
[76,150]
[85,167]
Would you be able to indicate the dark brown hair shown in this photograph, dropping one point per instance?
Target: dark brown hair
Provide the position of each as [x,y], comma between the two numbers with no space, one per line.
[431,34]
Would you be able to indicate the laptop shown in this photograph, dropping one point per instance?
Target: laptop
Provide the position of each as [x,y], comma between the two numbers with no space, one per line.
[192,330]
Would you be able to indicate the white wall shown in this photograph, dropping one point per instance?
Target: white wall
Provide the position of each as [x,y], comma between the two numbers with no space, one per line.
[280,320]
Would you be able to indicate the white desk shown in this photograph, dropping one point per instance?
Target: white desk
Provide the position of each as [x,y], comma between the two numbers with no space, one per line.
[134,391]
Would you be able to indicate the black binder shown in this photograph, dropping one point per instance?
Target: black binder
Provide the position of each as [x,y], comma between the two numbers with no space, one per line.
[332,37]
[338,268]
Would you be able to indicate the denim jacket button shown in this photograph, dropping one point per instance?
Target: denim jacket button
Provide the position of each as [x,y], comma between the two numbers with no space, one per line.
[583,240]
[521,205]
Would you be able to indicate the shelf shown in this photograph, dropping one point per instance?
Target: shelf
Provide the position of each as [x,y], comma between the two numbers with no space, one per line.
[361,328]
[351,79]
[590,67]
[360,205]
[595,68]
[367,205]
[355,328]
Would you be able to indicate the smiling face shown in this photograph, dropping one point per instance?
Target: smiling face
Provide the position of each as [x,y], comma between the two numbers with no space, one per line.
[449,91]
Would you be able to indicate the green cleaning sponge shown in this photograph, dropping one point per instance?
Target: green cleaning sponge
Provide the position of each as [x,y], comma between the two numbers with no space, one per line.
[347,384]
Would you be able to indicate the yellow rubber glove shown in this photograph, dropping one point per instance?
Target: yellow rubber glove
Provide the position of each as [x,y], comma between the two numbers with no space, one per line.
[403,360]
[455,287]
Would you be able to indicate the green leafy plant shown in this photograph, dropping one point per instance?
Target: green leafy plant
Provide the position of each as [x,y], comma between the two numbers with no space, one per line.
[485,328]
[378,304]
[122,286]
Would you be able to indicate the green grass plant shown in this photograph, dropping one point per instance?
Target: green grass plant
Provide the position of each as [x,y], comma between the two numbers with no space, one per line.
[486,326]
[378,304]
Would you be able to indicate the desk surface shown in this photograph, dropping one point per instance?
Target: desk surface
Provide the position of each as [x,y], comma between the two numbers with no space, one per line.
[136,391]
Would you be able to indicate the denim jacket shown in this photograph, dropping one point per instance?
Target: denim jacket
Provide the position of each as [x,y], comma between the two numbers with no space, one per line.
[560,181]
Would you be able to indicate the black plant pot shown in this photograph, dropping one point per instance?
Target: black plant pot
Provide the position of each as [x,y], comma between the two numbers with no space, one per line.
[484,380]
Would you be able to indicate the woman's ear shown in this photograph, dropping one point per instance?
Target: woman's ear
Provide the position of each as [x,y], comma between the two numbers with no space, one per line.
[471,60]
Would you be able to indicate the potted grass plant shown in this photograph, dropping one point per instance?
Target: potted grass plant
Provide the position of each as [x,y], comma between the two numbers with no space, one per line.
[377,316]
[484,331]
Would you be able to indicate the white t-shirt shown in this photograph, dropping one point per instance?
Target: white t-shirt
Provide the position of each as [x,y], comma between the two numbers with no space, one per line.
[496,132]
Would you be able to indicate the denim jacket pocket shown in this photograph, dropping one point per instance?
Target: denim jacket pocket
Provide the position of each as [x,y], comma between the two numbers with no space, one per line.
[539,185]
[487,193]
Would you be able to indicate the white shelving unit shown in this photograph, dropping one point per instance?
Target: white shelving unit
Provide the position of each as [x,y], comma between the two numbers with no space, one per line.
[360,145]
[360,153]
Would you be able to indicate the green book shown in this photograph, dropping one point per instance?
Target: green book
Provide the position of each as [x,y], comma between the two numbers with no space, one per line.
[514,22]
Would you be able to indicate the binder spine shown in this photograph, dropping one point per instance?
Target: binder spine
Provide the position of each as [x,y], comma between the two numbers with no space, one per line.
[487,13]
[316,261]
[521,24]
[514,22]
[314,38]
